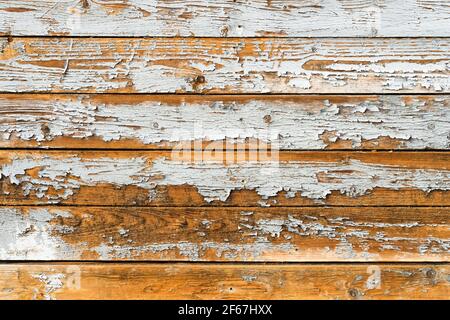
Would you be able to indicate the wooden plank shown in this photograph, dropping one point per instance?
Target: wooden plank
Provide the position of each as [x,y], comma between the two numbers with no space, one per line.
[187,178]
[335,18]
[224,281]
[263,65]
[283,122]
[225,234]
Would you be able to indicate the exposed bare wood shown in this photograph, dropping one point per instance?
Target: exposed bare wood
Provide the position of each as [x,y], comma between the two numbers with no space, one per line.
[224,281]
[284,122]
[224,18]
[209,183]
[224,65]
[225,234]
[189,178]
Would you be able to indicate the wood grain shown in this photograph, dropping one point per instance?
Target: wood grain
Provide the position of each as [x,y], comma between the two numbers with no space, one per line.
[254,133]
[224,281]
[225,234]
[222,18]
[202,65]
[171,121]
[187,178]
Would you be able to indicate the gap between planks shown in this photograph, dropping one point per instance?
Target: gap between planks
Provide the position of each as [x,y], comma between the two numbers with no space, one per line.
[9,36]
[230,94]
[212,263]
[225,149]
[285,206]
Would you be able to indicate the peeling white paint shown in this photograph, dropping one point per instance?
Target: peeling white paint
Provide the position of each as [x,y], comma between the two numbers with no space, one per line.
[52,283]
[300,83]
[213,180]
[354,178]
[67,175]
[249,278]
[343,229]
[292,65]
[195,251]
[325,18]
[31,236]
[39,233]
[392,67]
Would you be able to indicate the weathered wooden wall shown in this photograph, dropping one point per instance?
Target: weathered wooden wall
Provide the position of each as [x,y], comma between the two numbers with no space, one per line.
[168,136]
[222,18]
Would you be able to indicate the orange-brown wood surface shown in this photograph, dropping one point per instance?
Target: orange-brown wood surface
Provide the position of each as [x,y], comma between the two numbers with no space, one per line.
[228,150]
[224,281]
[225,234]
[185,178]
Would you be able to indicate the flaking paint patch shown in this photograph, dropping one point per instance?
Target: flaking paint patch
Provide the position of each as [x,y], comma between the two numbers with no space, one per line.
[337,229]
[52,283]
[343,248]
[31,236]
[195,251]
[353,178]
[293,125]
[161,65]
[213,180]
[67,175]
[258,239]
[325,18]
[249,278]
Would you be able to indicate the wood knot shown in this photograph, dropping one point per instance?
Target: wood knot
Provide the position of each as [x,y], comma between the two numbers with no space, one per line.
[45,130]
[430,273]
[85,4]
[267,119]
[199,79]
[224,31]
[354,293]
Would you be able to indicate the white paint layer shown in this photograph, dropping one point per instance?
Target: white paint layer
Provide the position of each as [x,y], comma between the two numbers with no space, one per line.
[213,180]
[31,236]
[292,65]
[332,18]
[417,124]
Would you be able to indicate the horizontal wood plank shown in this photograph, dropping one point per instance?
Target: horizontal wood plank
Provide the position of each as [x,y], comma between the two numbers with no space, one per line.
[283,122]
[193,65]
[224,281]
[225,234]
[187,178]
[224,18]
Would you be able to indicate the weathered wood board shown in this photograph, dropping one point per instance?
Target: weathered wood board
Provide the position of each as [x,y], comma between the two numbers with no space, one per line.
[229,149]
[251,122]
[186,178]
[226,18]
[204,65]
[225,234]
[224,281]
